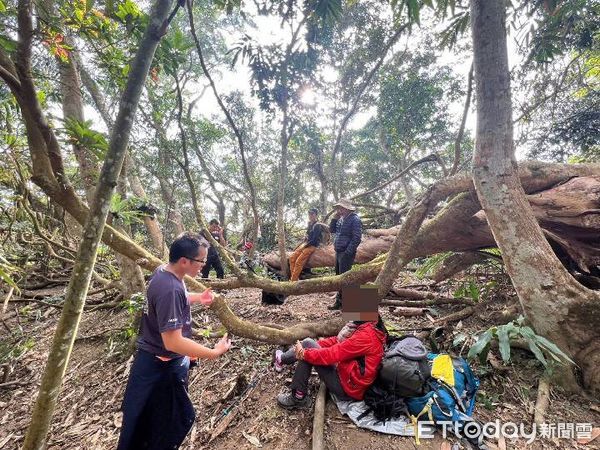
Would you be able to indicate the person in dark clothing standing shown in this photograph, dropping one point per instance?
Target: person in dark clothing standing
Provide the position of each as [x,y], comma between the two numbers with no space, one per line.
[157,411]
[348,233]
[213,260]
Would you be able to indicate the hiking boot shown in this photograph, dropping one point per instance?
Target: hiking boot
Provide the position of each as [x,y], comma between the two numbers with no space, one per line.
[336,306]
[290,401]
[277,365]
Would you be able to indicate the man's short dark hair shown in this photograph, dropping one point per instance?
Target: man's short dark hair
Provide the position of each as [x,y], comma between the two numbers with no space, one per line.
[314,211]
[186,245]
[213,222]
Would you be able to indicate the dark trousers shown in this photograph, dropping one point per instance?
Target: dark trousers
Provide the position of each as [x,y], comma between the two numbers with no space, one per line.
[213,261]
[157,411]
[327,374]
[343,263]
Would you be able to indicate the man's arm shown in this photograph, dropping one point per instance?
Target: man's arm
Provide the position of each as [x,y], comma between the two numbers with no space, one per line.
[358,345]
[333,225]
[356,236]
[174,341]
[222,235]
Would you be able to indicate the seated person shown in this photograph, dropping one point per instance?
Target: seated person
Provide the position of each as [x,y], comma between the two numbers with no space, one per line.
[346,363]
[311,241]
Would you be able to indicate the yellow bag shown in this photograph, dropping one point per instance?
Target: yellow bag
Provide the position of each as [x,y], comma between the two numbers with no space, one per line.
[443,369]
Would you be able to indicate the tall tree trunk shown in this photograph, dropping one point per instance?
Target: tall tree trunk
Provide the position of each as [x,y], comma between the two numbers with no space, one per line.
[173,217]
[284,141]
[68,324]
[571,318]
[73,110]
[72,104]
[132,278]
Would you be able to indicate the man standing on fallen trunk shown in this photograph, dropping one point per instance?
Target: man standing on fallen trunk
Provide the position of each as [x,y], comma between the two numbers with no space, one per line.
[348,233]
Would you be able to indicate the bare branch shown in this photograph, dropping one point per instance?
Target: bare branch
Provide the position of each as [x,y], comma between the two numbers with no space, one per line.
[429,158]
[461,130]
[354,108]
[230,120]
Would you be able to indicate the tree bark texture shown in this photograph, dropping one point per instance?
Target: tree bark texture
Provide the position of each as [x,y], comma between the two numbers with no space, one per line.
[568,213]
[571,319]
[68,324]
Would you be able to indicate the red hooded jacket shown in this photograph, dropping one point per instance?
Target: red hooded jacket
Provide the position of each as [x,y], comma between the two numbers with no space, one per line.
[357,358]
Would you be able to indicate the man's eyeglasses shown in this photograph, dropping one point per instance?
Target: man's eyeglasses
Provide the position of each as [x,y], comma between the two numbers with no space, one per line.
[201,261]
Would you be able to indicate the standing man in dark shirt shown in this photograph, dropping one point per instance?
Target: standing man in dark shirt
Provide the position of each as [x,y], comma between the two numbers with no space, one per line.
[213,260]
[311,241]
[348,233]
[157,412]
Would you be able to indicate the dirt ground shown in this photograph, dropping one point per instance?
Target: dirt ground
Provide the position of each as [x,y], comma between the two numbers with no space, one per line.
[234,396]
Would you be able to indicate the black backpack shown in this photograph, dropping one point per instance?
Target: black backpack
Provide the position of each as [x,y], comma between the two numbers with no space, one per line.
[405,369]
[270,298]
[403,373]
[383,404]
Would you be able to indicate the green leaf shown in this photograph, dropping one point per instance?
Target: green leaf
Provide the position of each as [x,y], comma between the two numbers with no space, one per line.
[431,264]
[79,14]
[554,350]
[535,349]
[504,343]
[481,343]
[8,44]
[459,339]
[2,6]
[473,291]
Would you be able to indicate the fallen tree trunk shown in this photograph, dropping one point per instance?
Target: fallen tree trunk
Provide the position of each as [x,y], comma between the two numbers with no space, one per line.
[568,213]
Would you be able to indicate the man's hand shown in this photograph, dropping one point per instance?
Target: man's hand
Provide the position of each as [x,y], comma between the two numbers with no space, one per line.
[206,298]
[223,345]
[299,350]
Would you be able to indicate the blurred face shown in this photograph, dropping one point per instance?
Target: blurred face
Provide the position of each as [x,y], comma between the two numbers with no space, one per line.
[195,264]
[360,303]
[312,217]
[213,227]
[342,211]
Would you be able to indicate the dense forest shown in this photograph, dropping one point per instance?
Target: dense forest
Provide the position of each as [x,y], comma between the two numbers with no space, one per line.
[465,135]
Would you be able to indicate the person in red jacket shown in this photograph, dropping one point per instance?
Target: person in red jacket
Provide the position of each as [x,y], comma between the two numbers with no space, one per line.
[346,363]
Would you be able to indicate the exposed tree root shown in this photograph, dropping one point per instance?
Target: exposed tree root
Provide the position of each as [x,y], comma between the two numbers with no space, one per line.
[318,435]
[543,399]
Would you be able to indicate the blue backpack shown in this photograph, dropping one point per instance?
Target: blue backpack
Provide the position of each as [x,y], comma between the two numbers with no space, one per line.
[451,401]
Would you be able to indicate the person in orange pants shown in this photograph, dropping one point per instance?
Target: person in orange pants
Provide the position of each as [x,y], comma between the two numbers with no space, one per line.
[311,241]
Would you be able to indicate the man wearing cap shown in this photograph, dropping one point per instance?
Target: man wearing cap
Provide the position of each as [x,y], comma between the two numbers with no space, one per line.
[348,233]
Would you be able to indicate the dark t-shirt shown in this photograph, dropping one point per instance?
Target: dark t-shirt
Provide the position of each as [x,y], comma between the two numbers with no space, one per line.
[166,308]
[217,237]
